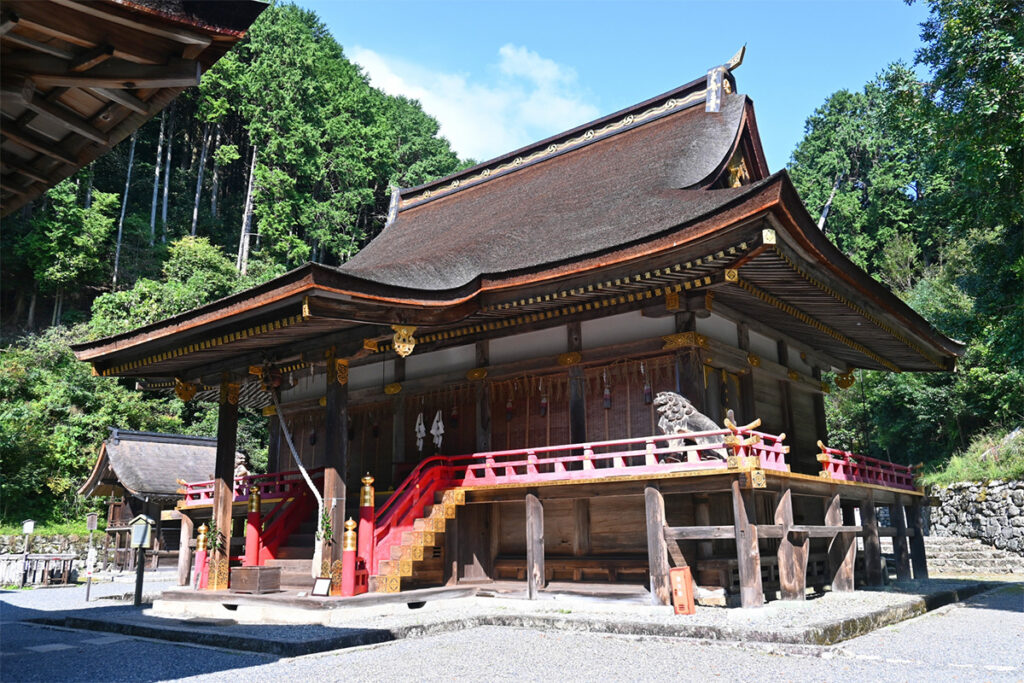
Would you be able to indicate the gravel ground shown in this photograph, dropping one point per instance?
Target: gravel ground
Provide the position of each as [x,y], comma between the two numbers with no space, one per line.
[918,649]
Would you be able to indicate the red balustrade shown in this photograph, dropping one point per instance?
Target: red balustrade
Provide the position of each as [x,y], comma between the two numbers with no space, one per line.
[847,466]
[272,486]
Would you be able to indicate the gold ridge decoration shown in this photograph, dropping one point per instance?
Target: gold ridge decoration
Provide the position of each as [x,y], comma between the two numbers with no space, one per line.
[403,341]
[587,136]
[682,340]
[185,390]
[341,370]
[842,299]
[816,324]
[570,358]
[845,380]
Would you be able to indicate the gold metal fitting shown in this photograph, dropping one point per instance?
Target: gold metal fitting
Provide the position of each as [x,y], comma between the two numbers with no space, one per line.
[403,342]
[254,499]
[367,492]
[184,390]
[201,538]
[349,542]
[392,388]
[845,380]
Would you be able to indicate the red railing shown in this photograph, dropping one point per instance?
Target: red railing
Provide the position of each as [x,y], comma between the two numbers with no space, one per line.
[272,486]
[847,466]
[596,460]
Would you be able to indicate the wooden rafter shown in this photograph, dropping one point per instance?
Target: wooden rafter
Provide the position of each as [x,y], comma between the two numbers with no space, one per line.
[124,99]
[32,173]
[132,48]
[30,44]
[36,144]
[61,115]
[176,34]
[48,71]
[90,58]
[8,20]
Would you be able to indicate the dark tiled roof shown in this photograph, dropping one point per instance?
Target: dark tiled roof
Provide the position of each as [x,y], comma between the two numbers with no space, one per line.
[148,464]
[615,191]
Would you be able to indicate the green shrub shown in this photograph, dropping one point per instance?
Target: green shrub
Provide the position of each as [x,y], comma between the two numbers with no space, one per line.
[994,455]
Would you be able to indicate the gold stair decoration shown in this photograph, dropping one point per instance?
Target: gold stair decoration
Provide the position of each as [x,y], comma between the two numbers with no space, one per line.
[419,544]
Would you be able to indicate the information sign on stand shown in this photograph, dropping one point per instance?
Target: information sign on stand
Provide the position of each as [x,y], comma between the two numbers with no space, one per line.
[142,538]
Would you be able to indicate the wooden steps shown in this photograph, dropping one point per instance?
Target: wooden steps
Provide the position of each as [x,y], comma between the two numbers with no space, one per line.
[418,559]
[295,573]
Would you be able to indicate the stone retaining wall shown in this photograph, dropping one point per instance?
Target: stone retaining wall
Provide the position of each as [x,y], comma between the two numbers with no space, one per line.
[990,511]
[79,545]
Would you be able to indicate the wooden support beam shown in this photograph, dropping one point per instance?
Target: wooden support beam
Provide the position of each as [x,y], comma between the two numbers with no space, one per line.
[818,400]
[87,59]
[746,380]
[38,144]
[450,574]
[64,26]
[534,545]
[657,550]
[274,445]
[581,527]
[335,460]
[44,48]
[747,552]
[842,551]
[699,533]
[30,173]
[123,98]
[8,20]
[782,350]
[899,543]
[64,117]
[97,69]
[918,558]
[224,480]
[185,551]
[872,546]
[398,423]
[702,515]
[793,550]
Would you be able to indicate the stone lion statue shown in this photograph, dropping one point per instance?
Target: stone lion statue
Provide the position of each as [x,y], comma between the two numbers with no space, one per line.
[679,416]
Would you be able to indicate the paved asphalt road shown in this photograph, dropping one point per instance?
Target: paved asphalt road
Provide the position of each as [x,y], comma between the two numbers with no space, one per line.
[980,640]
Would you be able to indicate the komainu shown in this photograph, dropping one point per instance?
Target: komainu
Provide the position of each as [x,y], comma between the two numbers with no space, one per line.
[679,416]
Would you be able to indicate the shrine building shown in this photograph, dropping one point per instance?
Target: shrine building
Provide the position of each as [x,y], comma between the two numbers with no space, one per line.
[494,359]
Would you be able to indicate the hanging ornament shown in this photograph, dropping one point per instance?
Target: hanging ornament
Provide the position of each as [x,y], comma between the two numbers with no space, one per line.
[648,392]
[607,391]
[420,431]
[454,415]
[543,400]
[437,430]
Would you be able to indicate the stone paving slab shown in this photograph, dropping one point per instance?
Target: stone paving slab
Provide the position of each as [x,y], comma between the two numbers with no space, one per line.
[824,620]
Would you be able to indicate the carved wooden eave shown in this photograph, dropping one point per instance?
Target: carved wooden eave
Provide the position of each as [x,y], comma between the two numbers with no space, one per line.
[79,77]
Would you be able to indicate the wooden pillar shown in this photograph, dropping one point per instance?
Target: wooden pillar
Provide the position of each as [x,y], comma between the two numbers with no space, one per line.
[747,408]
[820,424]
[792,556]
[185,550]
[483,401]
[872,545]
[581,528]
[577,389]
[842,549]
[274,445]
[917,553]
[702,513]
[494,534]
[335,458]
[899,543]
[224,481]
[398,426]
[657,549]
[689,369]
[784,389]
[747,552]
[450,575]
[535,579]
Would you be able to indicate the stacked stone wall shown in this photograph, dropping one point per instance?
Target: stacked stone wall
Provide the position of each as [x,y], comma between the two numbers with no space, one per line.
[992,512]
[79,545]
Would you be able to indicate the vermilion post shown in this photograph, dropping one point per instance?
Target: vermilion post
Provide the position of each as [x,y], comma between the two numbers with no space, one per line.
[366,525]
[348,560]
[253,529]
[202,572]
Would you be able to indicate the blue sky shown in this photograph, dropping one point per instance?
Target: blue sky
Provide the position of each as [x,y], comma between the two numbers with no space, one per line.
[499,75]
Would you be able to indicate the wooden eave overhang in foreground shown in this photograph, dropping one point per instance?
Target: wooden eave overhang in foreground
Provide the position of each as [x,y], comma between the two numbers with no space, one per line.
[79,77]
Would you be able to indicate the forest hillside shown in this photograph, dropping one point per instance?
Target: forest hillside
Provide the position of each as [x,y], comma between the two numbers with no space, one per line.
[285,154]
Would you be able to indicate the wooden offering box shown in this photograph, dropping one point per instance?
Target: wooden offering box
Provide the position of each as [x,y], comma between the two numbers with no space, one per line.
[255,579]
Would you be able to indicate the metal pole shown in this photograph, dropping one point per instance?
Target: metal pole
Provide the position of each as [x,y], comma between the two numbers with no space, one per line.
[140,566]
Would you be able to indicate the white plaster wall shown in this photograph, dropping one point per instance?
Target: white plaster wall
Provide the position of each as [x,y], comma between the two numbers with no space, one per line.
[371,375]
[548,342]
[718,328]
[797,364]
[763,346]
[438,362]
[305,386]
[625,327]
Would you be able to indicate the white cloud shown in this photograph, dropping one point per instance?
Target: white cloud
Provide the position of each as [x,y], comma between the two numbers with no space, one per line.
[530,98]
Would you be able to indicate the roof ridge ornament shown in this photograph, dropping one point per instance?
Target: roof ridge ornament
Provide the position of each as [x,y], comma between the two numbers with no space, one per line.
[718,84]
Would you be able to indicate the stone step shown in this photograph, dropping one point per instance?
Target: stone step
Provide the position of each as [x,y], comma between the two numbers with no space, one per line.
[290,564]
